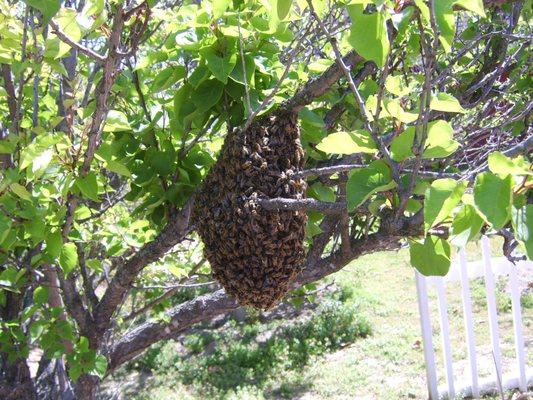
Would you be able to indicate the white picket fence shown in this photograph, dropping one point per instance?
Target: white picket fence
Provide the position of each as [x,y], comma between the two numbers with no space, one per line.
[463,272]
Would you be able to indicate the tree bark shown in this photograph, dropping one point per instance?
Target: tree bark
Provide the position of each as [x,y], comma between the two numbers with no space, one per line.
[204,308]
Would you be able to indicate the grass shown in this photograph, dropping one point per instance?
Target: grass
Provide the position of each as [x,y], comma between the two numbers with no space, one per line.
[330,353]
[250,357]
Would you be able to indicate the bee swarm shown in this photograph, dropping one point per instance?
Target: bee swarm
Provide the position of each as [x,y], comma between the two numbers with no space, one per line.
[255,254]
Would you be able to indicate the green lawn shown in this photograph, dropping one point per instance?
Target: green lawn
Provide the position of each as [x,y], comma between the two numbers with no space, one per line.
[390,363]
[387,364]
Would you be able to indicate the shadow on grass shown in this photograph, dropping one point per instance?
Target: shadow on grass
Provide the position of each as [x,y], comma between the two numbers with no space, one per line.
[265,359]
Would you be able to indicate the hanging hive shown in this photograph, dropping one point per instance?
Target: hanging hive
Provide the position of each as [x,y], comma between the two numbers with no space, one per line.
[254,254]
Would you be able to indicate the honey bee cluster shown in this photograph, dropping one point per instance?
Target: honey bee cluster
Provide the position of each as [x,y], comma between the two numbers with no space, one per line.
[255,254]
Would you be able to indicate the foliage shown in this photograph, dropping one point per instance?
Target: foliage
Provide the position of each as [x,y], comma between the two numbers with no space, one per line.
[415,123]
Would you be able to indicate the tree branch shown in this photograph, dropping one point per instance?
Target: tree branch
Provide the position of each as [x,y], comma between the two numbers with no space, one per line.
[75,45]
[120,285]
[320,85]
[268,98]
[283,204]
[165,296]
[10,90]
[345,70]
[334,169]
[205,307]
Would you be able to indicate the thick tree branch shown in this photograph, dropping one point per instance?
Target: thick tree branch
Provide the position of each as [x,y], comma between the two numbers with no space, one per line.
[283,204]
[320,85]
[10,90]
[334,169]
[205,307]
[121,283]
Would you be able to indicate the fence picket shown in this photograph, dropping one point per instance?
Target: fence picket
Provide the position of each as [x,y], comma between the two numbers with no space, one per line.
[518,328]
[463,272]
[425,323]
[469,323]
[445,333]
[491,307]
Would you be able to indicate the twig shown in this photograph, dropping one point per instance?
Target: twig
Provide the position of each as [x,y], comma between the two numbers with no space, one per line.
[176,286]
[87,284]
[421,130]
[100,212]
[21,82]
[338,56]
[283,204]
[243,62]
[78,46]
[290,60]
[165,295]
[330,170]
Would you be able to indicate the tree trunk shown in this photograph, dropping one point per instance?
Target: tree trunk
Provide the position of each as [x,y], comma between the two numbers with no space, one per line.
[15,381]
[87,387]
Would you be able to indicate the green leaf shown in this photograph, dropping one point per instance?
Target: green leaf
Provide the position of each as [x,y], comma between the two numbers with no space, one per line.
[167,77]
[402,145]
[199,74]
[66,19]
[237,74]
[220,7]
[36,228]
[395,110]
[116,121]
[431,258]
[9,145]
[465,226]
[368,34]
[95,265]
[311,118]
[364,182]
[100,366]
[48,8]
[207,94]
[475,6]
[176,270]
[162,162]
[118,168]
[424,9]
[20,191]
[441,197]
[74,371]
[68,259]
[283,7]
[395,84]
[348,143]
[493,197]
[180,98]
[502,165]
[447,103]
[440,141]
[446,22]
[37,328]
[5,227]
[88,186]
[54,243]
[322,192]
[41,162]
[219,65]
[522,219]
[40,295]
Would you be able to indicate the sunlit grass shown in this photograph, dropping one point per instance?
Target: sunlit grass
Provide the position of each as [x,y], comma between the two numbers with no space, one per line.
[388,364]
